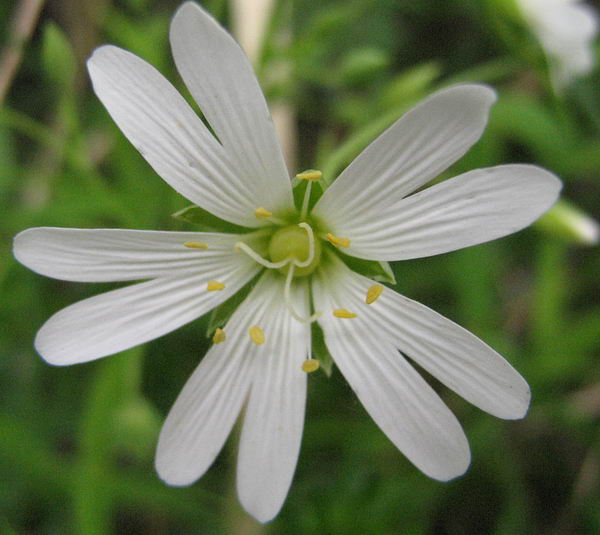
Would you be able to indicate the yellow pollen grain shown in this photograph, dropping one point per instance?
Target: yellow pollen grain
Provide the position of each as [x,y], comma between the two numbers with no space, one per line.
[256,335]
[196,245]
[219,336]
[311,174]
[340,242]
[373,293]
[344,313]
[214,286]
[310,365]
[261,212]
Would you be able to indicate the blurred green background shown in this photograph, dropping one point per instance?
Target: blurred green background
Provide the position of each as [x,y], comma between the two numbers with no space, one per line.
[77,443]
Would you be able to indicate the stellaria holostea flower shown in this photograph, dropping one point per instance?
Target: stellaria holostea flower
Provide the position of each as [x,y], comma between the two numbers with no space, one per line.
[566,30]
[260,356]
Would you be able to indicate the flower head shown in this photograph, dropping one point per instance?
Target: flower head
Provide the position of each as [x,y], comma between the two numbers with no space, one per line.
[566,30]
[299,253]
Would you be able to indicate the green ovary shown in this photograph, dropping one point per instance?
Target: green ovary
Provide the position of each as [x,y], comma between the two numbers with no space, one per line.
[292,242]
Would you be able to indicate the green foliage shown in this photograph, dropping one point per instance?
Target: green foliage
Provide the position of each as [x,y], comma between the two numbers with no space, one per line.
[58,58]
[76,444]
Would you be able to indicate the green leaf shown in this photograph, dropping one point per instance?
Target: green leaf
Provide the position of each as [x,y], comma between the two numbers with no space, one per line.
[373,269]
[319,349]
[59,61]
[410,85]
[205,221]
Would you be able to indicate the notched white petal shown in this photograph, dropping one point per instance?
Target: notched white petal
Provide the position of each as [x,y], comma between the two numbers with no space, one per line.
[450,353]
[220,78]
[207,407]
[120,319]
[169,135]
[420,145]
[472,208]
[404,406]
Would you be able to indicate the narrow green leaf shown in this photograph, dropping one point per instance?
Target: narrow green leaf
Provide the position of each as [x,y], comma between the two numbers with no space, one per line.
[58,57]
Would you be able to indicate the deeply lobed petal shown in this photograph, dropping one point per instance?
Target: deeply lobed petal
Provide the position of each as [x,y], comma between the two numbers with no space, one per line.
[404,406]
[469,209]
[220,78]
[104,255]
[170,136]
[452,354]
[123,318]
[269,376]
[415,149]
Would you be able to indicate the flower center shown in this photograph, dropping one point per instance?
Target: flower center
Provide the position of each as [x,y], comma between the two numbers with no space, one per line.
[294,242]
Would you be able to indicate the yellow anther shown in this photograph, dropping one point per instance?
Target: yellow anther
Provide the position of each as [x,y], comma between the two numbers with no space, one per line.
[343,313]
[256,335]
[311,174]
[196,245]
[219,336]
[340,242]
[310,365]
[373,293]
[214,286]
[261,212]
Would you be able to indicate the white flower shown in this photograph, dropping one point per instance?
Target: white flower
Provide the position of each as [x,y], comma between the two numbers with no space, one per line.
[566,30]
[370,212]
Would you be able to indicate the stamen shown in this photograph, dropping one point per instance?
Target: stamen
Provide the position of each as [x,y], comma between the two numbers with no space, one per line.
[306,200]
[373,293]
[311,246]
[214,286]
[312,175]
[196,245]
[340,242]
[256,335]
[261,212]
[219,336]
[310,365]
[241,246]
[288,299]
[344,313]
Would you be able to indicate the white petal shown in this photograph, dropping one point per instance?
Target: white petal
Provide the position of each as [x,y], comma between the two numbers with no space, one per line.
[472,208]
[170,136]
[404,406]
[415,149]
[120,319]
[272,432]
[450,353]
[220,78]
[207,407]
[103,255]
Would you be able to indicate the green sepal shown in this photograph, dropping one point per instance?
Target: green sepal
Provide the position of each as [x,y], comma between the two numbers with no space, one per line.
[319,349]
[207,222]
[221,314]
[378,270]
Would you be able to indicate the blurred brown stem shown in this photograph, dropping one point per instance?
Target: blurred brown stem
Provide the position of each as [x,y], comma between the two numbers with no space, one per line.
[26,17]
